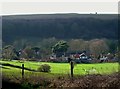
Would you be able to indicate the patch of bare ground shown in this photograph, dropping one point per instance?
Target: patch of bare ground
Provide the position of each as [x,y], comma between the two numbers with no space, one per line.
[89,81]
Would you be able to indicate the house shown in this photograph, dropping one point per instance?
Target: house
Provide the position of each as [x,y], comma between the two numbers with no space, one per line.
[81,57]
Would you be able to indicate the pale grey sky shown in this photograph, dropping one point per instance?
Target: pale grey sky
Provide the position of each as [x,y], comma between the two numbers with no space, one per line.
[12,8]
[59,0]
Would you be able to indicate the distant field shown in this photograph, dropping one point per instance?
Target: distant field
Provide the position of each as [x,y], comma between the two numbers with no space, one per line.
[59,68]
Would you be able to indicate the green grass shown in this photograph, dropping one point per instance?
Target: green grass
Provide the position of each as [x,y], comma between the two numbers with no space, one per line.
[59,68]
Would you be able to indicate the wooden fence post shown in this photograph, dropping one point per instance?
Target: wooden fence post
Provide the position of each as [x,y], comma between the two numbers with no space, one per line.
[22,71]
[72,66]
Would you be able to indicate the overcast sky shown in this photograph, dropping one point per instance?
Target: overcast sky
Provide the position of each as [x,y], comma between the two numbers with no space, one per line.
[12,8]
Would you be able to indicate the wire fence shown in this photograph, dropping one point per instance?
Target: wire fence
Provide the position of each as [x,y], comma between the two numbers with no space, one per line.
[30,68]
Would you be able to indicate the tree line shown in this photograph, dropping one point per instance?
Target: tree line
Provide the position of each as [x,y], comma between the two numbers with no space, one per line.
[46,47]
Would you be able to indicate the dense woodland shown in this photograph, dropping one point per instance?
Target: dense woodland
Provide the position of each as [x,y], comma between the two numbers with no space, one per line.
[94,34]
[59,26]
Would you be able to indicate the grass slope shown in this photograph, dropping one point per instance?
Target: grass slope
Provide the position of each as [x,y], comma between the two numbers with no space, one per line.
[59,68]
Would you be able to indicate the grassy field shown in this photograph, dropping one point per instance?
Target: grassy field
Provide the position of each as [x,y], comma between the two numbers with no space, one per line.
[59,68]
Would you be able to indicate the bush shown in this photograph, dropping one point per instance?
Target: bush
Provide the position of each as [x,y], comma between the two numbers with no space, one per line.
[44,68]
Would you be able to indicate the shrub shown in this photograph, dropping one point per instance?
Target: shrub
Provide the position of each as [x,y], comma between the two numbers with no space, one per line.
[44,68]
